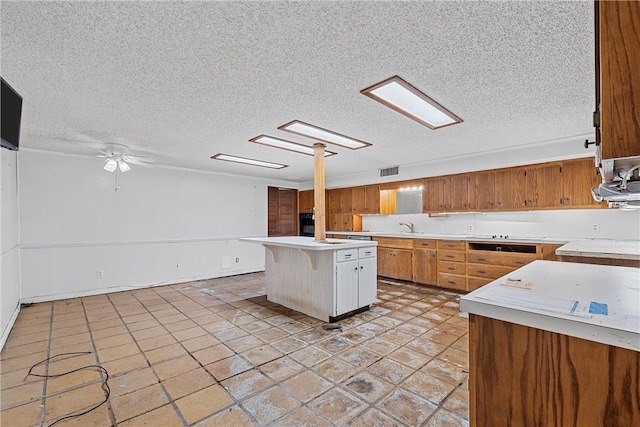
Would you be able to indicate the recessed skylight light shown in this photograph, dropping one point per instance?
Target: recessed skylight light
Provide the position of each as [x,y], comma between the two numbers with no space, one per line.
[399,95]
[236,159]
[287,145]
[324,135]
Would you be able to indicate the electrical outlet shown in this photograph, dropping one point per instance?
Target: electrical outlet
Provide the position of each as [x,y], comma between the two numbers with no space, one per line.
[470,228]
[237,260]
[99,274]
[595,227]
[176,267]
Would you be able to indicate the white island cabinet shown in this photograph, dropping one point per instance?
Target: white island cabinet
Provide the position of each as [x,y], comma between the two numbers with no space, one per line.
[325,280]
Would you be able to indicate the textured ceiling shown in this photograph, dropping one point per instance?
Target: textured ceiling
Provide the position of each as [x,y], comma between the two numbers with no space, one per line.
[180,82]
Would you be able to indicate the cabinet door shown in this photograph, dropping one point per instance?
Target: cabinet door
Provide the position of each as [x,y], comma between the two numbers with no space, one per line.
[433,195]
[332,202]
[578,176]
[367,282]
[510,188]
[344,195]
[532,187]
[482,191]
[383,262]
[401,261]
[346,287]
[549,186]
[358,200]
[424,266]
[620,74]
[372,199]
[456,193]
[305,201]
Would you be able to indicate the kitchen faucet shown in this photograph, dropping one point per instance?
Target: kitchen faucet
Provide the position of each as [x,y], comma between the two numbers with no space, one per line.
[410,225]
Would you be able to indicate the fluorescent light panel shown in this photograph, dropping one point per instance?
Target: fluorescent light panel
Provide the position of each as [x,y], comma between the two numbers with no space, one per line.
[253,162]
[272,141]
[324,135]
[401,96]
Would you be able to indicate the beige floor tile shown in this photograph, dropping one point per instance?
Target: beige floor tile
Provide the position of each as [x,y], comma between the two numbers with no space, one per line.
[271,334]
[138,402]
[442,418]
[458,403]
[255,326]
[447,372]
[306,386]
[216,326]
[243,344]
[230,334]
[302,417]
[145,324]
[131,381]
[360,356]
[455,357]
[390,370]
[155,331]
[164,416]
[137,318]
[270,405]
[246,384]
[179,326]
[212,354]
[368,387]
[73,330]
[17,378]
[336,369]
[425,346]
[96,417]
[310,356]
[16,339]
[231,417]
[374,417]
[281,369]
[187,383]
[113,353]
[289,344]
[192,406]
[428,387]
[125,364]
[334,345]
[187,334]
[228,367]
[338,406]
[409,408]
[25,415]
[158,355]
[156,342]
[113,341]
[21,394]
[174,367]
[73,380]
[261,355]
[24,350]
[109,332]
[105,324]
[409,357]
[73,401]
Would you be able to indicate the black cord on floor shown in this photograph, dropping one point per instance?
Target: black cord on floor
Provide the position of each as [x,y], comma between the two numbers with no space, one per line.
[105,386]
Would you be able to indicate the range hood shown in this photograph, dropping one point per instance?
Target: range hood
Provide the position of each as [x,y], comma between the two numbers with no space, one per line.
[620,186]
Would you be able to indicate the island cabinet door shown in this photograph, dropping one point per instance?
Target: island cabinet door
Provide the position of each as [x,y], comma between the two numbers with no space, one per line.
[346,297]
[367,280]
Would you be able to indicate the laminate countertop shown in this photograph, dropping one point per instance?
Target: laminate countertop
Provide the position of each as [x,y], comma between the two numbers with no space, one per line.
[308,243]
[554,283]
[601,248]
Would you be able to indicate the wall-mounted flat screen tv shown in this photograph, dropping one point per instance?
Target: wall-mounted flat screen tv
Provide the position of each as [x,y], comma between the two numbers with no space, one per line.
[10,114]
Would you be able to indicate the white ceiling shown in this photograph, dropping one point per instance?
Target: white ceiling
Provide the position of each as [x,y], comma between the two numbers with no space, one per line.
[180,82]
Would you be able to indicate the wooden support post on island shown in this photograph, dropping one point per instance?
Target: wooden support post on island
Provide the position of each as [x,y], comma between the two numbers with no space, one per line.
[320,223]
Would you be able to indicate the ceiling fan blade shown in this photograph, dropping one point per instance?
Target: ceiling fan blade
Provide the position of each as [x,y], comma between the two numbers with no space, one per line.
[140,159]
[135,161]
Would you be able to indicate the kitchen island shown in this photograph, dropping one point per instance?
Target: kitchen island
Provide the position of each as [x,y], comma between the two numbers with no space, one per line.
[325,280]
[532,361]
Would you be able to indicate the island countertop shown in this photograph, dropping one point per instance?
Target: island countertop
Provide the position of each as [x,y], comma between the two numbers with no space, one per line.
[308,243]
[601,248]
[617,287]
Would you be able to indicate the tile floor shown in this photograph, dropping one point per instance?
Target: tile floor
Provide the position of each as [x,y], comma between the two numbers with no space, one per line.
[217,353]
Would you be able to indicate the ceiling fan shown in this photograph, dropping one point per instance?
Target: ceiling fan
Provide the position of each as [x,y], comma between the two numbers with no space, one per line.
[117,158]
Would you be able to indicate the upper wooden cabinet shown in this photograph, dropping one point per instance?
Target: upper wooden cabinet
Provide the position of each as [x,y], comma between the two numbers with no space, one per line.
[433,195]
[305,201]
[578,176]
[365,200]
[619,78]
[482,191]
[456,192]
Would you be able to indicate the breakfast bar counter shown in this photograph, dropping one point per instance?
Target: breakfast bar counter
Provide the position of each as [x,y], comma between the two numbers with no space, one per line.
[325,280]
[555,343]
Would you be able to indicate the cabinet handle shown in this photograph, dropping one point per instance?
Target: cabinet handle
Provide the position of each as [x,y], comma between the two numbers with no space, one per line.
[481,259]
[355,269]
[450,268]
[451,282]
[347,256]
[482,272]
[519,262]
[361,267]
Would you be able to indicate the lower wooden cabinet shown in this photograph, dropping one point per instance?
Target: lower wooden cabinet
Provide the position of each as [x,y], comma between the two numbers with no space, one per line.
[451,264]
[395,263]
[425,268]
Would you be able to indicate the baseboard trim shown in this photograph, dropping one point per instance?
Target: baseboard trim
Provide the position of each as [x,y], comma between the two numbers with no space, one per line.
[7,330]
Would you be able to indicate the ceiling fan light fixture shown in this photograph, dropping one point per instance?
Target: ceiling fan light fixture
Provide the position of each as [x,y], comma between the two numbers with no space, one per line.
[246,161]
[324,135]
[110,165]
[123,166]
[406,99]
[272,141]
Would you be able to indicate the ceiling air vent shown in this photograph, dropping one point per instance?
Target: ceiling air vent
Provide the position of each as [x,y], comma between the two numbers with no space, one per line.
[389,171]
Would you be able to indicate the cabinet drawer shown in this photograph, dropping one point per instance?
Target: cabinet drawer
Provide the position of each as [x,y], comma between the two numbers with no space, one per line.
[366,252]
[454,245]
[474,283]
[500,258]
[347,255]
[424,244]
[457,256]
[451,267]
[452,281]
[488,271]
[394,242]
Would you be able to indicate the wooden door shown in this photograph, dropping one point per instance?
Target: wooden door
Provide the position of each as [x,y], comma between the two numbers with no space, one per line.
[425,266]
[578,176]
[482,191]
[620,74]
[282,215]
[433,195]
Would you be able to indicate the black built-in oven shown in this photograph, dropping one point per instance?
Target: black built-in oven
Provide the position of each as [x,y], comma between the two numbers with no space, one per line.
[307,224]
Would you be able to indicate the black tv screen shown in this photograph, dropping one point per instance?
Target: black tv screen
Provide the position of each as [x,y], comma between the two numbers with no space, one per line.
[11,113]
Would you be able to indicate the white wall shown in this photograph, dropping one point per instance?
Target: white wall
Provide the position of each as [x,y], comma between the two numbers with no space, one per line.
[561,224]
[10,243]
[163,225]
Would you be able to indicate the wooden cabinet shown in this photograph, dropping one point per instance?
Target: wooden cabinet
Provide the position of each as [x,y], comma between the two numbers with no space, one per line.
[619,77]
[425,269]
[305,201]
[282,218]
[482,191]
[365,200]
[456,193]
[451,264]
[344,222]
[578,176]
[509,192]
[358,200]
[433,195]
[395,258]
